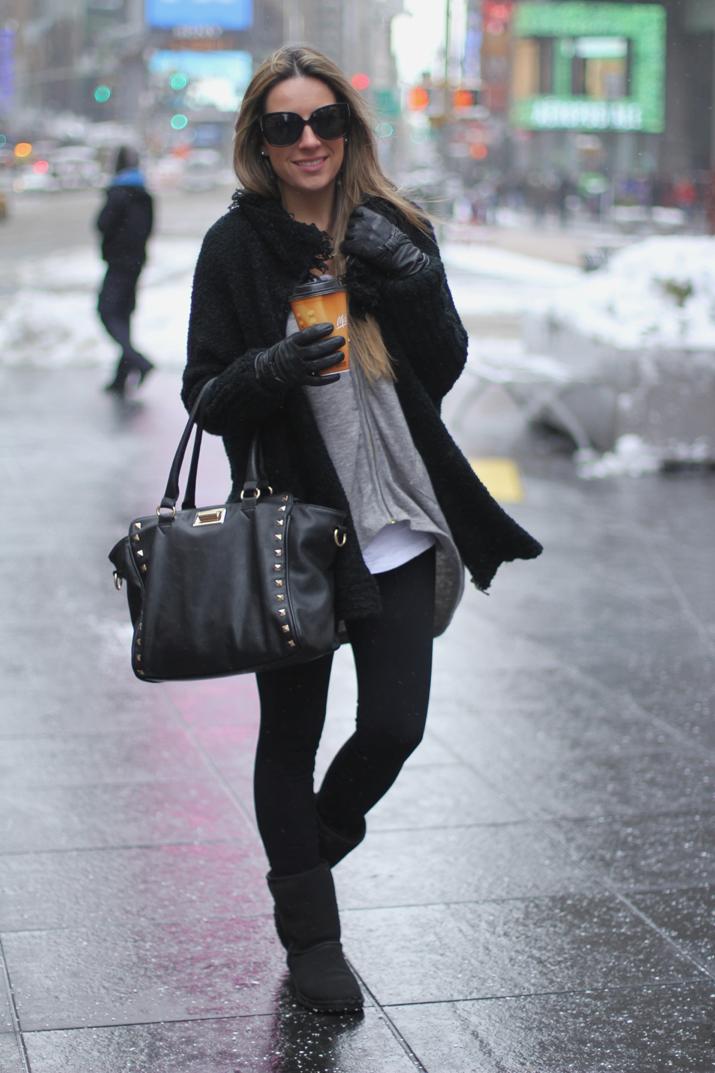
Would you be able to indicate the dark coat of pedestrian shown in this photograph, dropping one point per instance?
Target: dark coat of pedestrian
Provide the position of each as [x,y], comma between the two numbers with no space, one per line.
[369,442]
[125,224]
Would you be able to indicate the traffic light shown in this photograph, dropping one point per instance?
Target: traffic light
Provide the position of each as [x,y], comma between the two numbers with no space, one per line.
[418,98]
[465,98]
[497,15]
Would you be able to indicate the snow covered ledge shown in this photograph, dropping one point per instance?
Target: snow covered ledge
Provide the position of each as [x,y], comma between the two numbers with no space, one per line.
[639,336]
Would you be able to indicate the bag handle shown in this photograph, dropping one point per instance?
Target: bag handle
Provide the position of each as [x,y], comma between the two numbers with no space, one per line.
[189,501]
[171,494]
[253,483]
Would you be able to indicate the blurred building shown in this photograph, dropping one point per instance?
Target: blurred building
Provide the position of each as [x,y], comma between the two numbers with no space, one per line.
[175,69]
[587,86]
[624,87]
[355,35]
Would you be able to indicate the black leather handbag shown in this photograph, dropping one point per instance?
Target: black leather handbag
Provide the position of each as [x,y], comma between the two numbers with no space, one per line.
[228,589]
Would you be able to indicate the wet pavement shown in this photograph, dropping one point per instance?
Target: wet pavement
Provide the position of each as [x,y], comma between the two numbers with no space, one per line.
[534,896]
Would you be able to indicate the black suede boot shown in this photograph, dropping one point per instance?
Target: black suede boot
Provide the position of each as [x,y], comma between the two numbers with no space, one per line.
[139,366]
[307,916]
[118,384]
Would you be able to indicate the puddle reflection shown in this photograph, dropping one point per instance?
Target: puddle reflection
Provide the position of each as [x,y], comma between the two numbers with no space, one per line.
[305,1042]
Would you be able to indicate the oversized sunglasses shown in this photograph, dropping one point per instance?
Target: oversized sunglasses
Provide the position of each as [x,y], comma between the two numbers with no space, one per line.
[286,128]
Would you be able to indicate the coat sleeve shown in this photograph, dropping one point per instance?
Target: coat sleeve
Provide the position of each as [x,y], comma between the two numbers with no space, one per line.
[112,213]
[416,314]
[217,349]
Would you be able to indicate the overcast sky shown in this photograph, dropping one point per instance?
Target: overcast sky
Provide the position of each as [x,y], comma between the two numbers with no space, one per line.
[419,35]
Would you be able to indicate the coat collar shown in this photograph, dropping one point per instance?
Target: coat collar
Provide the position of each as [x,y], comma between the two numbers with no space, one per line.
[299,246]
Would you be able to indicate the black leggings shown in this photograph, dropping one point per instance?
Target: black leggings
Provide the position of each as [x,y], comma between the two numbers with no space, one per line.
[393,660]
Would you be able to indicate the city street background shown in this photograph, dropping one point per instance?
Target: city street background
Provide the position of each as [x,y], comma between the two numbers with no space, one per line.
[536,893]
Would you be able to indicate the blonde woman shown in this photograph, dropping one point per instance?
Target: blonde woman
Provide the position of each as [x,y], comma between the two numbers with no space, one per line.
[370,442]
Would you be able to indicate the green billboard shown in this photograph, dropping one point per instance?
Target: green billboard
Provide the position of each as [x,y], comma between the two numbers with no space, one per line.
[589,66]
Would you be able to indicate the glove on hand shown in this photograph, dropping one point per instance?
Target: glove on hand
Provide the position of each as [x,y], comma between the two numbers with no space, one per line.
[299,358]
[372,237]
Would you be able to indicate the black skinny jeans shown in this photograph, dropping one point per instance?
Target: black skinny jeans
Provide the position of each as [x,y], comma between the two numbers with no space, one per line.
[116,302]
[393,661]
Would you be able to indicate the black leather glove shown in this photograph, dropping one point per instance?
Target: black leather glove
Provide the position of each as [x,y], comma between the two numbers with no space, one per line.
[372,237]
[299,358]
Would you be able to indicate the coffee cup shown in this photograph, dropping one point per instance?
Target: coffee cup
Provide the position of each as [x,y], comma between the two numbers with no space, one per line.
[323,301]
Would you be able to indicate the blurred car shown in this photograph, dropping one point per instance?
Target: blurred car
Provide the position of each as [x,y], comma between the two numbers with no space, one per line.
[76,167]
[203,170]
[165,172]
[32,179]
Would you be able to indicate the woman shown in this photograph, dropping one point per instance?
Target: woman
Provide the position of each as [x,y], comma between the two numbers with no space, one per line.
[369,442]
[125,224]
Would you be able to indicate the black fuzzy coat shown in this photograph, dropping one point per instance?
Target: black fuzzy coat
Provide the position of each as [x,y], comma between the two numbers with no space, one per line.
[250,261]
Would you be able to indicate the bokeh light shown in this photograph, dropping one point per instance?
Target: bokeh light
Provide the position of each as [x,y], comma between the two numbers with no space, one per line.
[178,81]
[41,167]
[383,129]
[360,80]
[102,94]
[179,121]
[23,150]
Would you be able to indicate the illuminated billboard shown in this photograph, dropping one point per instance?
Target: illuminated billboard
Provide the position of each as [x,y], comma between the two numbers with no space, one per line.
[7,68]
[588,66]
[226,14]
[215,79]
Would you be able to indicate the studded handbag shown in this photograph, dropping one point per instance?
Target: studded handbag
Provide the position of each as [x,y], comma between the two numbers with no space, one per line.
[227,589]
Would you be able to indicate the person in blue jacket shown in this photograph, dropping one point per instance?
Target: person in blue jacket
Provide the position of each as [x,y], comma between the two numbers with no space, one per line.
[125,224]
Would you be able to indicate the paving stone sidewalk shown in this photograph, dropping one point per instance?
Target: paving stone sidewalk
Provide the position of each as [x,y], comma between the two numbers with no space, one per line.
[535,895]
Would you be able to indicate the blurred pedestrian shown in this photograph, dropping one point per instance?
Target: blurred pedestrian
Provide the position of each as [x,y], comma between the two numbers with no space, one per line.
[565,192]
[125,224]
[369,442]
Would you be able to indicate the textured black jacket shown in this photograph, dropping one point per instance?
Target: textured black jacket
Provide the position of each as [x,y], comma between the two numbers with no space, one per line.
[125,224]
[250,261]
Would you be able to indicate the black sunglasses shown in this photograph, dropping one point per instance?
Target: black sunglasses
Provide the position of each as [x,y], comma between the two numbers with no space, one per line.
[286,128]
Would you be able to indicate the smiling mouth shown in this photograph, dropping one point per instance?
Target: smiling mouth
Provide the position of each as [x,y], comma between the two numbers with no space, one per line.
[312,164]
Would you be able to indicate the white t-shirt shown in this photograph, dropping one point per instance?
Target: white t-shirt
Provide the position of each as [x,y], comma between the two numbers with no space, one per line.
[394,546]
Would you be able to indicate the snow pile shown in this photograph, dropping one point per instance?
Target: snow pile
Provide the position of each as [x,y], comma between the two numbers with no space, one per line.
[656,293]
[632,456]
[51,320]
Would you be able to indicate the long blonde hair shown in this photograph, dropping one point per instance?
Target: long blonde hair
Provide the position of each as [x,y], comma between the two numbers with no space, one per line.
[361,175]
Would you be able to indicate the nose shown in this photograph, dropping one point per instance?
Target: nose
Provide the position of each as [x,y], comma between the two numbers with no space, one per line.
[308,139]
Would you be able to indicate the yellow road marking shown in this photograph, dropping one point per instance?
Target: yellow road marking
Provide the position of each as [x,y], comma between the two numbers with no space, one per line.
[501,477]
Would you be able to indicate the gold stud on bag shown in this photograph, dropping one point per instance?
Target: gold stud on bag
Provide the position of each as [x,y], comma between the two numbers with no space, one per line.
[198,580]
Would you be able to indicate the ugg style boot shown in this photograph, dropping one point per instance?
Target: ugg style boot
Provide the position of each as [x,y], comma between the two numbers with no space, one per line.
[309,926]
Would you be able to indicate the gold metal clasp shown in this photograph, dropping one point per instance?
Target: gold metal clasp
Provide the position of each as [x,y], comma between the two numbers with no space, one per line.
[215,516]
[340,537]
[118,581]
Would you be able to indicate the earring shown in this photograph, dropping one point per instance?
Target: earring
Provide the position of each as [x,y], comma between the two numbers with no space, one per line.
[345,139]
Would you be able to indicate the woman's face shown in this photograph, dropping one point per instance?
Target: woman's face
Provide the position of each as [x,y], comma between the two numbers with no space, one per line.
[311,164]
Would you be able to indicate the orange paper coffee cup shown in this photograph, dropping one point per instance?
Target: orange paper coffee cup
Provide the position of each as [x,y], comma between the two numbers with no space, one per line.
[323,301]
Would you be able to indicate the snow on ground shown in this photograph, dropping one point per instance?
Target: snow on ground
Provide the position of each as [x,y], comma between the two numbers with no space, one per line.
[51,319]
[659,292]
[485,280]
[656,293]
